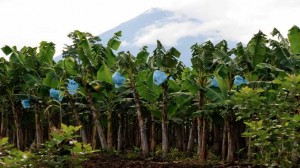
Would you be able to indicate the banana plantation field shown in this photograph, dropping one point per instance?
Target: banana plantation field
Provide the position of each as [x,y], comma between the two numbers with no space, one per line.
[100,107]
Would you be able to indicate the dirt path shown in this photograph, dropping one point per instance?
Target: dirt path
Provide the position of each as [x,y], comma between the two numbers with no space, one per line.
[103,161]
[106,161]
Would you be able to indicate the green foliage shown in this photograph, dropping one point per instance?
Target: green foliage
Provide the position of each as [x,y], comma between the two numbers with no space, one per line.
[268,106]
[63,150]
[104,74]
[272,124]
[46,53]
[294,38]
[257,48]
[164,59]
[11,157]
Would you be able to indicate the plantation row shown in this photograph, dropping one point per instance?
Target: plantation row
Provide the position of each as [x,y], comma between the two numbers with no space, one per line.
[240,103]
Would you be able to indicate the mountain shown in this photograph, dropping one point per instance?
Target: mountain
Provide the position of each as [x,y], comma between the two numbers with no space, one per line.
[155,24]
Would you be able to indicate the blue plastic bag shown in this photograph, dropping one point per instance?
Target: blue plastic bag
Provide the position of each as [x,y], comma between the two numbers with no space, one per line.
[118,79]
[238,80]
[72,87]
[25,103]
[56,94]
[214,83]
[159,77]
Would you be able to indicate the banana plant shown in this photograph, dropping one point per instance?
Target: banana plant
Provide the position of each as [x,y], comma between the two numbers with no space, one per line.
[131,65]
[35,63]
[17,68]
[203,67]
[167,65]
[294,39]
[92,57]
[150,94]
[180,111]
[227,75]
[3,84]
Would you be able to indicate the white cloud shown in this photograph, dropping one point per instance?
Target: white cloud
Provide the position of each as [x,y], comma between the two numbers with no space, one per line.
[124,43]
[31,21]
[224,19]
[170,32]
[239,20]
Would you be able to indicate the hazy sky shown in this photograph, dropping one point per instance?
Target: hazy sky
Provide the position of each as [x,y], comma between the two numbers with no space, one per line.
[27,22]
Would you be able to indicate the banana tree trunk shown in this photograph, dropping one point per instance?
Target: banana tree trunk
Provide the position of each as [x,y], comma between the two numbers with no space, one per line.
[199,135]
[109,130]
[17,121]
[230,151]
[152,138]
[96,121]
[38,127]
[249,149]
[93,136]
[78,122]
[202,131]
[191,143]
[51,125]
[217,139]
[224,141]
[204,134]
[3,131]
[120,138]
[165,141]
[144,140]
[179,132]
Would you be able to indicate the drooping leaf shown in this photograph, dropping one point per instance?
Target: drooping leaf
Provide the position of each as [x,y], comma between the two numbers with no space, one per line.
[222,56]
[114,42]
[294,38]
[157,90]
[145,92]
[46,52]
[85,51]
[224,84]
[104,74]
[190,86]
[282,58]
[173,51]
[173,85]
[257,48]
[69,65]
[202,57]
[142,56]
[268,66]
[50,81]
[31,79]
[7,50]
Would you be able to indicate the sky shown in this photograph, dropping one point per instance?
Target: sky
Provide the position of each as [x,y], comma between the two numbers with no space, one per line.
[28,22]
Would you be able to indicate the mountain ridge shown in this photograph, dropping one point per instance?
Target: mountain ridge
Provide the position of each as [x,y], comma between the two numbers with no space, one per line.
[158,18]
[158,24]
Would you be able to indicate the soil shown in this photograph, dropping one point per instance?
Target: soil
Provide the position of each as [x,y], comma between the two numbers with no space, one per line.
[107,161]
